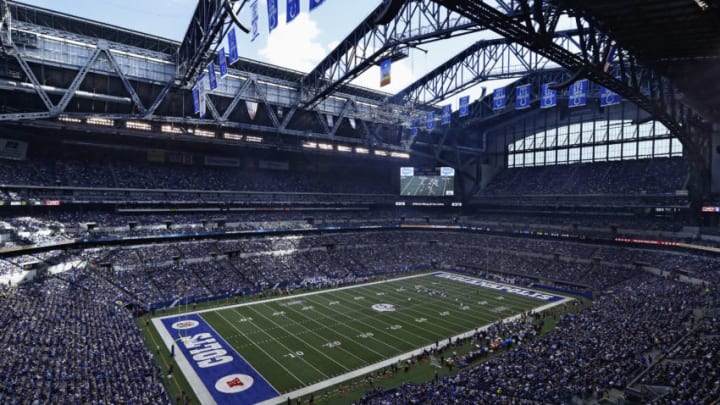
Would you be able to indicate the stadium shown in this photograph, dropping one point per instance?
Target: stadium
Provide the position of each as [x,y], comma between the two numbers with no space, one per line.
[522,207]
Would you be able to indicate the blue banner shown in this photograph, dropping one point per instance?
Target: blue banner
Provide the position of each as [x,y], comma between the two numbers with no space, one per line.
[415,126]
[255,20]
[292,10]
[222,63]
[232,46]
[446,116]
[430,120]
[315,3]
[522,97]
[499,99]
[385,66]
[272,9]
[196,100]
[212,76]
[548,96]
[577,93]
[608,97]
[464,109]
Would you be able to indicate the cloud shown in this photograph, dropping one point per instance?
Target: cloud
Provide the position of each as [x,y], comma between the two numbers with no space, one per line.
[295,45]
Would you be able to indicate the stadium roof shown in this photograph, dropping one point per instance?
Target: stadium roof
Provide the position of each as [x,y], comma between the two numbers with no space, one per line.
[680,38]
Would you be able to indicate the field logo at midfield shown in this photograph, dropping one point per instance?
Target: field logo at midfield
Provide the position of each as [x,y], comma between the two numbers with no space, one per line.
[186,324]
[384,307]
[234,383]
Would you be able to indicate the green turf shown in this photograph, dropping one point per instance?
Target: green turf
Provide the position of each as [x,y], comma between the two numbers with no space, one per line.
[301,340]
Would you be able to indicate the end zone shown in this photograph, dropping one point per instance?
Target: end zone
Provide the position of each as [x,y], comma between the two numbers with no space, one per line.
[215,371]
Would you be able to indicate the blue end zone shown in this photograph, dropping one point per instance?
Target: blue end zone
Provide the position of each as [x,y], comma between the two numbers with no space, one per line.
[226,375]
[506,288]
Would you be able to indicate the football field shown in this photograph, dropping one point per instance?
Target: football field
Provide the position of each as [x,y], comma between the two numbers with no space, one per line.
[257,352]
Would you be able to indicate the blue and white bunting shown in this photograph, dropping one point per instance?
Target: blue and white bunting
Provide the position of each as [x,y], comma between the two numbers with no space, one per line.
[196,100]
[211,76]
[608,97]
[292,10]
[222,63]
[315,4]
[430,120]
[446,116]
[522,97]
[272,9]
[577,93]
[499,99]
[232,46]
[548,96]
[464,109]
[202,96]
[255,20]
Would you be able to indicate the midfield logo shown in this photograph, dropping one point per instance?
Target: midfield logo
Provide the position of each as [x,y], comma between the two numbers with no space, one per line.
[383,307]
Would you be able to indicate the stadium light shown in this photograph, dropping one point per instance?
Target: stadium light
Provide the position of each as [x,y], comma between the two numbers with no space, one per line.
[235,137]
[401,155]
[65,118]
[704,5]
[343,148]
[204,133]
[361,151]
[310,145]
[169,129]
[141,126]
[380,153]
[100,121]
[325,146]
[253,139]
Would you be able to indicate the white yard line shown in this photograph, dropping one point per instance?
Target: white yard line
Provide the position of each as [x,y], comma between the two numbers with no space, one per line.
[335,331]
[264,352]
[305,342]
[385,363]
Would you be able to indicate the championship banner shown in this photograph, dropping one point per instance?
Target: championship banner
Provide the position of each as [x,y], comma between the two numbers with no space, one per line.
[499,99]
[446,116]
[577,93]
[203,95]
[255,20]
[292,10]
[222,63]
[315,4]
[608,97]
[385,66]
[196,100]
[415,126]
[522,97]
[232,46]
[610,56]
[211,76]
[430,120]
[464,109]
[251,108]
[548,96]
[272,9]
[330,120]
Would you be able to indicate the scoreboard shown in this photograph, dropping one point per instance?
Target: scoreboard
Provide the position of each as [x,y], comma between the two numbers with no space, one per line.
[430,182]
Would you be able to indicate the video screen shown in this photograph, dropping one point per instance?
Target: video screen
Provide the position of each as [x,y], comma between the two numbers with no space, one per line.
[434,182]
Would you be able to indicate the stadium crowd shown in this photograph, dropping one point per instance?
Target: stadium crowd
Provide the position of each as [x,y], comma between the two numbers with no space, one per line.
[73,319]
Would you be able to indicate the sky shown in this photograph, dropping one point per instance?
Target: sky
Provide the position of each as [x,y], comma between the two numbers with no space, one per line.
[298,45]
